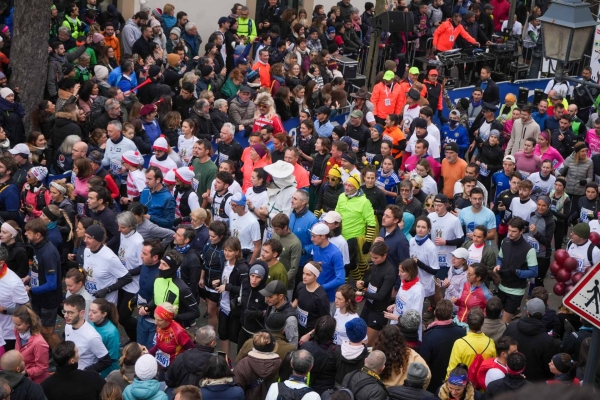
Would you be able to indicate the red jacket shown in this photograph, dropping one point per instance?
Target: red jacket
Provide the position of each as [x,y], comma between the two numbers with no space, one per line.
[470,299]
[500,13]
[486,365]
[35,354]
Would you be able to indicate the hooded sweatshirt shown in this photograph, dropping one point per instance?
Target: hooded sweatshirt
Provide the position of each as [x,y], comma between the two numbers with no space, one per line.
[144,390]
[349,358]
[258,365]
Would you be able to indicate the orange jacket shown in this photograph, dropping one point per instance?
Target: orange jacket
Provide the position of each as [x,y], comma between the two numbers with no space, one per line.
[264,73]
[386,100]
[113,42]
[446,34]
[394,135]
[438,86]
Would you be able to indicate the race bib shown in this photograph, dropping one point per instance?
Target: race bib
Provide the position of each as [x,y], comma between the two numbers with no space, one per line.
[442,260]
[354,142]
[400,303]
[34,280]
[115,167]
[302,316]
[370,157]
[371,289]
[81,209]
[483,171]
[90,285]
[583,216]
[268,233]
[195,184]
[314,178]
[472,260]
[223,157]
[451,38]
[162,358]
[532,242]
[73,176]
[524,174]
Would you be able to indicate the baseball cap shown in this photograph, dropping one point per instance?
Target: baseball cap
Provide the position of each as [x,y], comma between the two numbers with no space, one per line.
[239,199]
[461,252]
[535,306]
[414,71]
[272,288]
[433,72]
[241,60]
[440,197]
[223,20]
[388,76]
[331,29]
[245,89]
[20,148]
[357,114]
[510,159]
[319,229]
[332,217]
[323,110]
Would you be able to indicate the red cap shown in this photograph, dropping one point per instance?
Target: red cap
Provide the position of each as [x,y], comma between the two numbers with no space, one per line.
[433,72]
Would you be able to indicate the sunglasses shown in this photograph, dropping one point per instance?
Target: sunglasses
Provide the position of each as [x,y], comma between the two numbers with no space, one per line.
[333,178]
[428,205]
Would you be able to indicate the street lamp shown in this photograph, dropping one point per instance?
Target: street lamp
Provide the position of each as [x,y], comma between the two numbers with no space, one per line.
[567,27]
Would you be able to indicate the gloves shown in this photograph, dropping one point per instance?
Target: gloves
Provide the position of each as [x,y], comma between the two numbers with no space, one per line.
[583,182]
[366,247]
[100,294]
[441,117]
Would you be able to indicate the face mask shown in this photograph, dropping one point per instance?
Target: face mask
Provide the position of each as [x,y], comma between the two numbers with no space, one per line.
[453,124]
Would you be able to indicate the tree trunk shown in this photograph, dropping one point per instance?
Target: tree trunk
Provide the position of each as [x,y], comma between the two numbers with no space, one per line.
[29,53]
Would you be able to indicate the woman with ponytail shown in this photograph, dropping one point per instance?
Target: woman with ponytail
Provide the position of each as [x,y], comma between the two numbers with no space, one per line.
[562,367]
[31,344]
[410,295]
[12,240]
[75,283]
[126,373]
[63,194]
[104,317]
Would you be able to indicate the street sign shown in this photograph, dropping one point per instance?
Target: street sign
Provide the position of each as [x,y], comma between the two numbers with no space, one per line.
[584,298]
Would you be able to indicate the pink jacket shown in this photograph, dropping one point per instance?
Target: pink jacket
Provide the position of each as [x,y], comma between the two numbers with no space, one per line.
[551,154]
[81,187]
[35,354]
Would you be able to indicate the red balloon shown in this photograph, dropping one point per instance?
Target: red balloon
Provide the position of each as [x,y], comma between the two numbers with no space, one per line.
[554,268]
[563,275]
[560,256]
[559,288]
[570,264]
[577,277]
[568,288]
[595,238]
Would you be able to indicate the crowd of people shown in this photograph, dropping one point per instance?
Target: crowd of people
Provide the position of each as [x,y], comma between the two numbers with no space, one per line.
[395,255]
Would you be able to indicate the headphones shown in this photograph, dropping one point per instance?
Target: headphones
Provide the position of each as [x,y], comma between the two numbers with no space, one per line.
[35,189]
[311,69]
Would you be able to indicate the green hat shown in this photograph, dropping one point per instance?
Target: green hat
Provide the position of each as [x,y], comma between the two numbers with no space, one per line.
[582,230]
[414,71]
[357,114]
[388,76]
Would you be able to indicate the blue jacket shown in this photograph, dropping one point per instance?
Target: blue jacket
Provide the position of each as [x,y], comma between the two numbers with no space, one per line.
[144,390]
[398,244]
[46,270]
[55,238]
[460,136]
[192,43]
[147,276]
[334,274]
[300,223]
[540,118]
[161,206]
[226,391]
[324,130]
[152,130]
[10,202]
[115,76]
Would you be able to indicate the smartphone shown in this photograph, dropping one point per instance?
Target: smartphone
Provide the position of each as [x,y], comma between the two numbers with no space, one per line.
[222,354]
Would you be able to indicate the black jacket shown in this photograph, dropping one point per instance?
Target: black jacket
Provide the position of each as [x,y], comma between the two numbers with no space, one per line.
[572,343]
[324,367]
[408,391]
[510,383]
[171,78]
[205,129]
[491,94]
[253,307]
[565,146]
[188,366]
[22,387]
[436,349]
[372,390]
[183,106]
[82,385]
[328,197]
[344,365]
[18,260]
[492,157]
[382,278]
[537,346]
[64,126]
[142,47]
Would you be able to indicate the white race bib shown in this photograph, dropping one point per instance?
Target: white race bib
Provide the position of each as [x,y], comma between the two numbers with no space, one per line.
[302,316]
[443,260]
[162,358]
[90,285]
[34,281]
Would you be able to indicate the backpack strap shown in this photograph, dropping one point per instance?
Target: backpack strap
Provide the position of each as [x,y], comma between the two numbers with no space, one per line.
[475,351]
[365,382]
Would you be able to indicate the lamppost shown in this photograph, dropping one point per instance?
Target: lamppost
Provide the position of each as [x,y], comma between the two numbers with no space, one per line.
[567,28]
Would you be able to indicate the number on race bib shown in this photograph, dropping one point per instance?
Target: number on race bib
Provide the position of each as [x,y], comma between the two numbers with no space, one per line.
[162,358]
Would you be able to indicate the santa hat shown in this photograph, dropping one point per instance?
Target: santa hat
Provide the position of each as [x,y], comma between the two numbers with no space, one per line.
[161,143]
[185,174]
[169,178]
[132,158]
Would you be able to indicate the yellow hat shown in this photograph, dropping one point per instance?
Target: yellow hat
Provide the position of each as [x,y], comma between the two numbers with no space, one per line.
[354,180]
[335,171]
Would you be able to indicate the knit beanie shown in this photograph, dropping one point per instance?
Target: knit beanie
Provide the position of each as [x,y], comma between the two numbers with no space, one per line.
[153,71]
[173,60]
[257,269]
[177,31]
[39,173]
[206,70]
[417,373]
[185,174]
[97,37]
[147,109]
[132,158]
[146,367]
[356,330]
[5,92]
[101,72]
[582,230]
[161,144]
[409,325]
[335,171]
[169,178]
[96,232]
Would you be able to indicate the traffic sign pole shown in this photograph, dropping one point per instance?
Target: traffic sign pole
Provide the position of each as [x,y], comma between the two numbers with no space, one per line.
[592,360]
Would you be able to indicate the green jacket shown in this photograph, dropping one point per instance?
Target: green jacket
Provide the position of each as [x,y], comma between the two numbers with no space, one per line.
[358,216]
[247,27]
[77,27]
[488,258]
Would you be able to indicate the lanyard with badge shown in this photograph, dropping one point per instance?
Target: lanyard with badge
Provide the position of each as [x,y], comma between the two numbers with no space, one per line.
[451,38]
[388,101]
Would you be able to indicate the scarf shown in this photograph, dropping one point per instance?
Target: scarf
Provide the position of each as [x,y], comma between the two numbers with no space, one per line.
[406,285]
[258,189]
[163,158]
[6,105]
[242,103]
[183,249]
[25,336]
[385,175]
[51,225]
[439,323]
[279,79]
[421,240]
[476,103]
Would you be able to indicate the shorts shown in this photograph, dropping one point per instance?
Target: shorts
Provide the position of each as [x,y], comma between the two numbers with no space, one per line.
[229,327]
[214,297]
[511,302]
[374,319]
[47,315]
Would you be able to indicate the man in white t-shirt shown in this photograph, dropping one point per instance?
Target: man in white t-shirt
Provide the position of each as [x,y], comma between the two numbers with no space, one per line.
[12,295]
[446,232]
[244,226]
[517,29]
[523,206]
[92,352]
[105,272]
[472,170]
[220,196]
[421,132]
[427,113]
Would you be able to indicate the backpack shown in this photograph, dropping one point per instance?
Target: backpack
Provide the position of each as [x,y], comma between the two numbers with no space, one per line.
[476,363]
[590,251]
[287,393]
[365,382]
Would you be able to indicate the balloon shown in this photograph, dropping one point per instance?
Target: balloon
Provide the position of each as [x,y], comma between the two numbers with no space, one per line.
[560,256]
[563,275]
[595,238]
[577,277]
[585,271]
[570,264]
[559,288]
[554,268]
[568,288]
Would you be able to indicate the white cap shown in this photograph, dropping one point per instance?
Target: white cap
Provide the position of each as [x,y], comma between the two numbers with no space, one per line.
[461,252]
[20,148]
[319,229]
[332,217]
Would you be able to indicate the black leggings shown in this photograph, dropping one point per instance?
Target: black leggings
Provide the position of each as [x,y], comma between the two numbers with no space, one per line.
[125,314]
[543,266]
[559,234]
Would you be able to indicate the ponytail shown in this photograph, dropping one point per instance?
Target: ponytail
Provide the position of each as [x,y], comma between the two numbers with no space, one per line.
[110,309]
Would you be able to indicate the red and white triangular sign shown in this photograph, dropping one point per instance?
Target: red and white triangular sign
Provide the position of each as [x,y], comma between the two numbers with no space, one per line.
[584,298]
